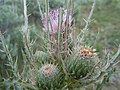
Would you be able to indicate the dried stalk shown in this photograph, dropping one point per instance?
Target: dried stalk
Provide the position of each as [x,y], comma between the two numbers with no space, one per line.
[66,27]
[40,11]
[47,19]
[59,41]
[59,30]
[74,35]
[26,31]
[85,29]
[26,36]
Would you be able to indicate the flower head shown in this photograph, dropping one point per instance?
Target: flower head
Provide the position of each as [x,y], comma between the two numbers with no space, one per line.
[54,20]
[86,52]
[49,76]
[48,70]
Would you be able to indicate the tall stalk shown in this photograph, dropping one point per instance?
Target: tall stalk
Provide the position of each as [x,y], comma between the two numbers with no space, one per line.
[26,37]
[47,28]
[85,29]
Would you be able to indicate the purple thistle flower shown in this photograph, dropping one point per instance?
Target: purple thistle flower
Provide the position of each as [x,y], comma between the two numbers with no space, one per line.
[54,19]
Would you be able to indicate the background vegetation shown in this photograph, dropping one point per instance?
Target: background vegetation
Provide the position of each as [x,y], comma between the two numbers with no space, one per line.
[105,25]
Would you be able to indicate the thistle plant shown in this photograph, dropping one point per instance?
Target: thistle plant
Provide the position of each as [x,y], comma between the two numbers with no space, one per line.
[79,65]
[49,76]
[67,62]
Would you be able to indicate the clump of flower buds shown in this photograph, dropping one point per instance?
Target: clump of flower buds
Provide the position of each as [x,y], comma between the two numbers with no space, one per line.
[86,52]
[49,76]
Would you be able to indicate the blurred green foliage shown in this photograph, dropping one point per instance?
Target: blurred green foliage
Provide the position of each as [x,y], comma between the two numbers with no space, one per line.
[104,27]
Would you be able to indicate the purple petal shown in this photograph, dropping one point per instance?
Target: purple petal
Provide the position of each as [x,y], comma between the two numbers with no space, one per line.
[53,23]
